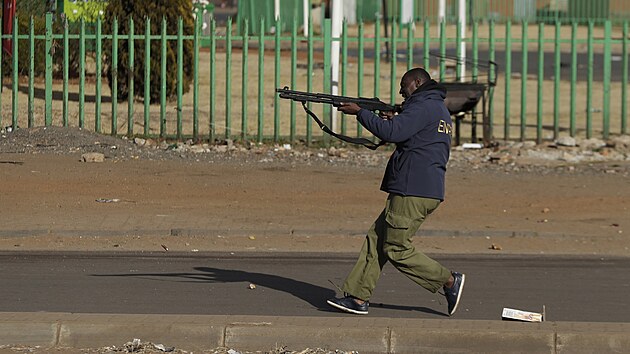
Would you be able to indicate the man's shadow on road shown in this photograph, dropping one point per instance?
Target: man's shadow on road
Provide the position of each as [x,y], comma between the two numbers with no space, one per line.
[315,295]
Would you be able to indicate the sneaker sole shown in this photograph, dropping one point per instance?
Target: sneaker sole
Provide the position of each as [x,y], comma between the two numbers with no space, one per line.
[345,309]
[459,295]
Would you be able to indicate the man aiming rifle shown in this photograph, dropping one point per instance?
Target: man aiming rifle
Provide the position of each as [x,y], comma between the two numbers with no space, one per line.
[414,181]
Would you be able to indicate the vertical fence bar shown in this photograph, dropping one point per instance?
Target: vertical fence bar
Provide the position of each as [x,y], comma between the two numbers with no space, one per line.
[492,74]
[360,61]
[228,80]
[309,81]
[624,80]
[1,76]
[344,69]
[82,74]
[261,79]
[147,75]
[607,79]
[31,73]
[392,72]
[508,78]
[574,64]
[475,51]
[276,99]
[541,81]
[524,47]
[114,84]
[556,82]
[198,20]
[213,79]
[426,38]
[245,79]
[163,82]
[410,34]
[66,56]
[589,82]
[99,71]
[442,49]
[49,65]
[180,76]
[14,122]
[131,80]
[377,58]
[293,78]
[327,75]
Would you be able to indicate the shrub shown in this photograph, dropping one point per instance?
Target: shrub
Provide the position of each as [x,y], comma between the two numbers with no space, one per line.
[139,10]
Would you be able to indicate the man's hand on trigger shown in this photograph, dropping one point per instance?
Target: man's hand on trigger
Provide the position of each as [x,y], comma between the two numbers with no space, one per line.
[387,114]
[349,108]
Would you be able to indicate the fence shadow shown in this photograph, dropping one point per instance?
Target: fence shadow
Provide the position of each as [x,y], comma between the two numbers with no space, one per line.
[40,93]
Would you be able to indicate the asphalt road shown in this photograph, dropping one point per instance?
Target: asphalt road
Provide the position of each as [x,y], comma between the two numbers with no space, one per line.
[572,289]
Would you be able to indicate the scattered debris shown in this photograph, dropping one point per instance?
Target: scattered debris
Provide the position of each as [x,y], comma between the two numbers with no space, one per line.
[93,157]
[519,315]
[545,210]
[496,247]
[252,237]
[106,200]
[165,248]
[252,286]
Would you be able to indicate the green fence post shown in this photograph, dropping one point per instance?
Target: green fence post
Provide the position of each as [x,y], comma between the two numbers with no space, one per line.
[524,47]
[541,79]
[442,50]
[49,65]
[213,79]
[427,45]
[31,73]
[508,79]
[492,74]
[99,73]
[114,83]
[309,82]
[589,82]
[410,35]
[245,79]
[556,82]
[228,80]
[16,90]
[607,79]
[344,69]
[377,58]
[276,99]
[82,74]
[261,79]
[574,64]
[163,82]
[392,73]
[196,75]
[1,77]
[147,76]
[180,77]
[292,124]
[624,81]
[360,74]
[327,74]
[475,51]
[66,76]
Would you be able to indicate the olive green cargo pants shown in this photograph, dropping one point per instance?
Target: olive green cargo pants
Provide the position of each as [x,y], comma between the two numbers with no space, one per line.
[389,239]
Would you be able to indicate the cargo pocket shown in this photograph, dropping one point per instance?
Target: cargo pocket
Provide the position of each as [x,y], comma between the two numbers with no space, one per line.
[398,221]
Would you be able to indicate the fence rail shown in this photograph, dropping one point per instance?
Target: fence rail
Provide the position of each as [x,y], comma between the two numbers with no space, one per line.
[576,75]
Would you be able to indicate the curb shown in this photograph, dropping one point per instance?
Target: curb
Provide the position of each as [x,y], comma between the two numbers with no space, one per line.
[265,333]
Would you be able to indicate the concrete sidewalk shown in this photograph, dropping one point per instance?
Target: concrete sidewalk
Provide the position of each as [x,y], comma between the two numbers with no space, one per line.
[362,334]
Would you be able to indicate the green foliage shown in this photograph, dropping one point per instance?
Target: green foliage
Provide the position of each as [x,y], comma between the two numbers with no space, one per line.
[155,10]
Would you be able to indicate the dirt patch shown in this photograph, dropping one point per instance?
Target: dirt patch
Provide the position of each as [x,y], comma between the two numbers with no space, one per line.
[183,197]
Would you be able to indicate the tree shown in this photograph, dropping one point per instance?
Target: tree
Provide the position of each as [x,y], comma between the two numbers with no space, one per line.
[155,10]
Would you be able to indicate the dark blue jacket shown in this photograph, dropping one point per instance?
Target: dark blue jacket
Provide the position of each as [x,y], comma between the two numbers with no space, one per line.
[422,134]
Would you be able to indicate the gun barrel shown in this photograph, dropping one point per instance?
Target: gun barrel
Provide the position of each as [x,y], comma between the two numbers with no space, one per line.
[373,104]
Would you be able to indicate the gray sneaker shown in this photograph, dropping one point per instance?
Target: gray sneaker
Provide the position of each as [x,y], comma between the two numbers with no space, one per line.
[454,294]
[349,304]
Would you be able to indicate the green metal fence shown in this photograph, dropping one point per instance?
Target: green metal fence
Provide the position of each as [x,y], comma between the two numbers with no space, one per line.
[563,79]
